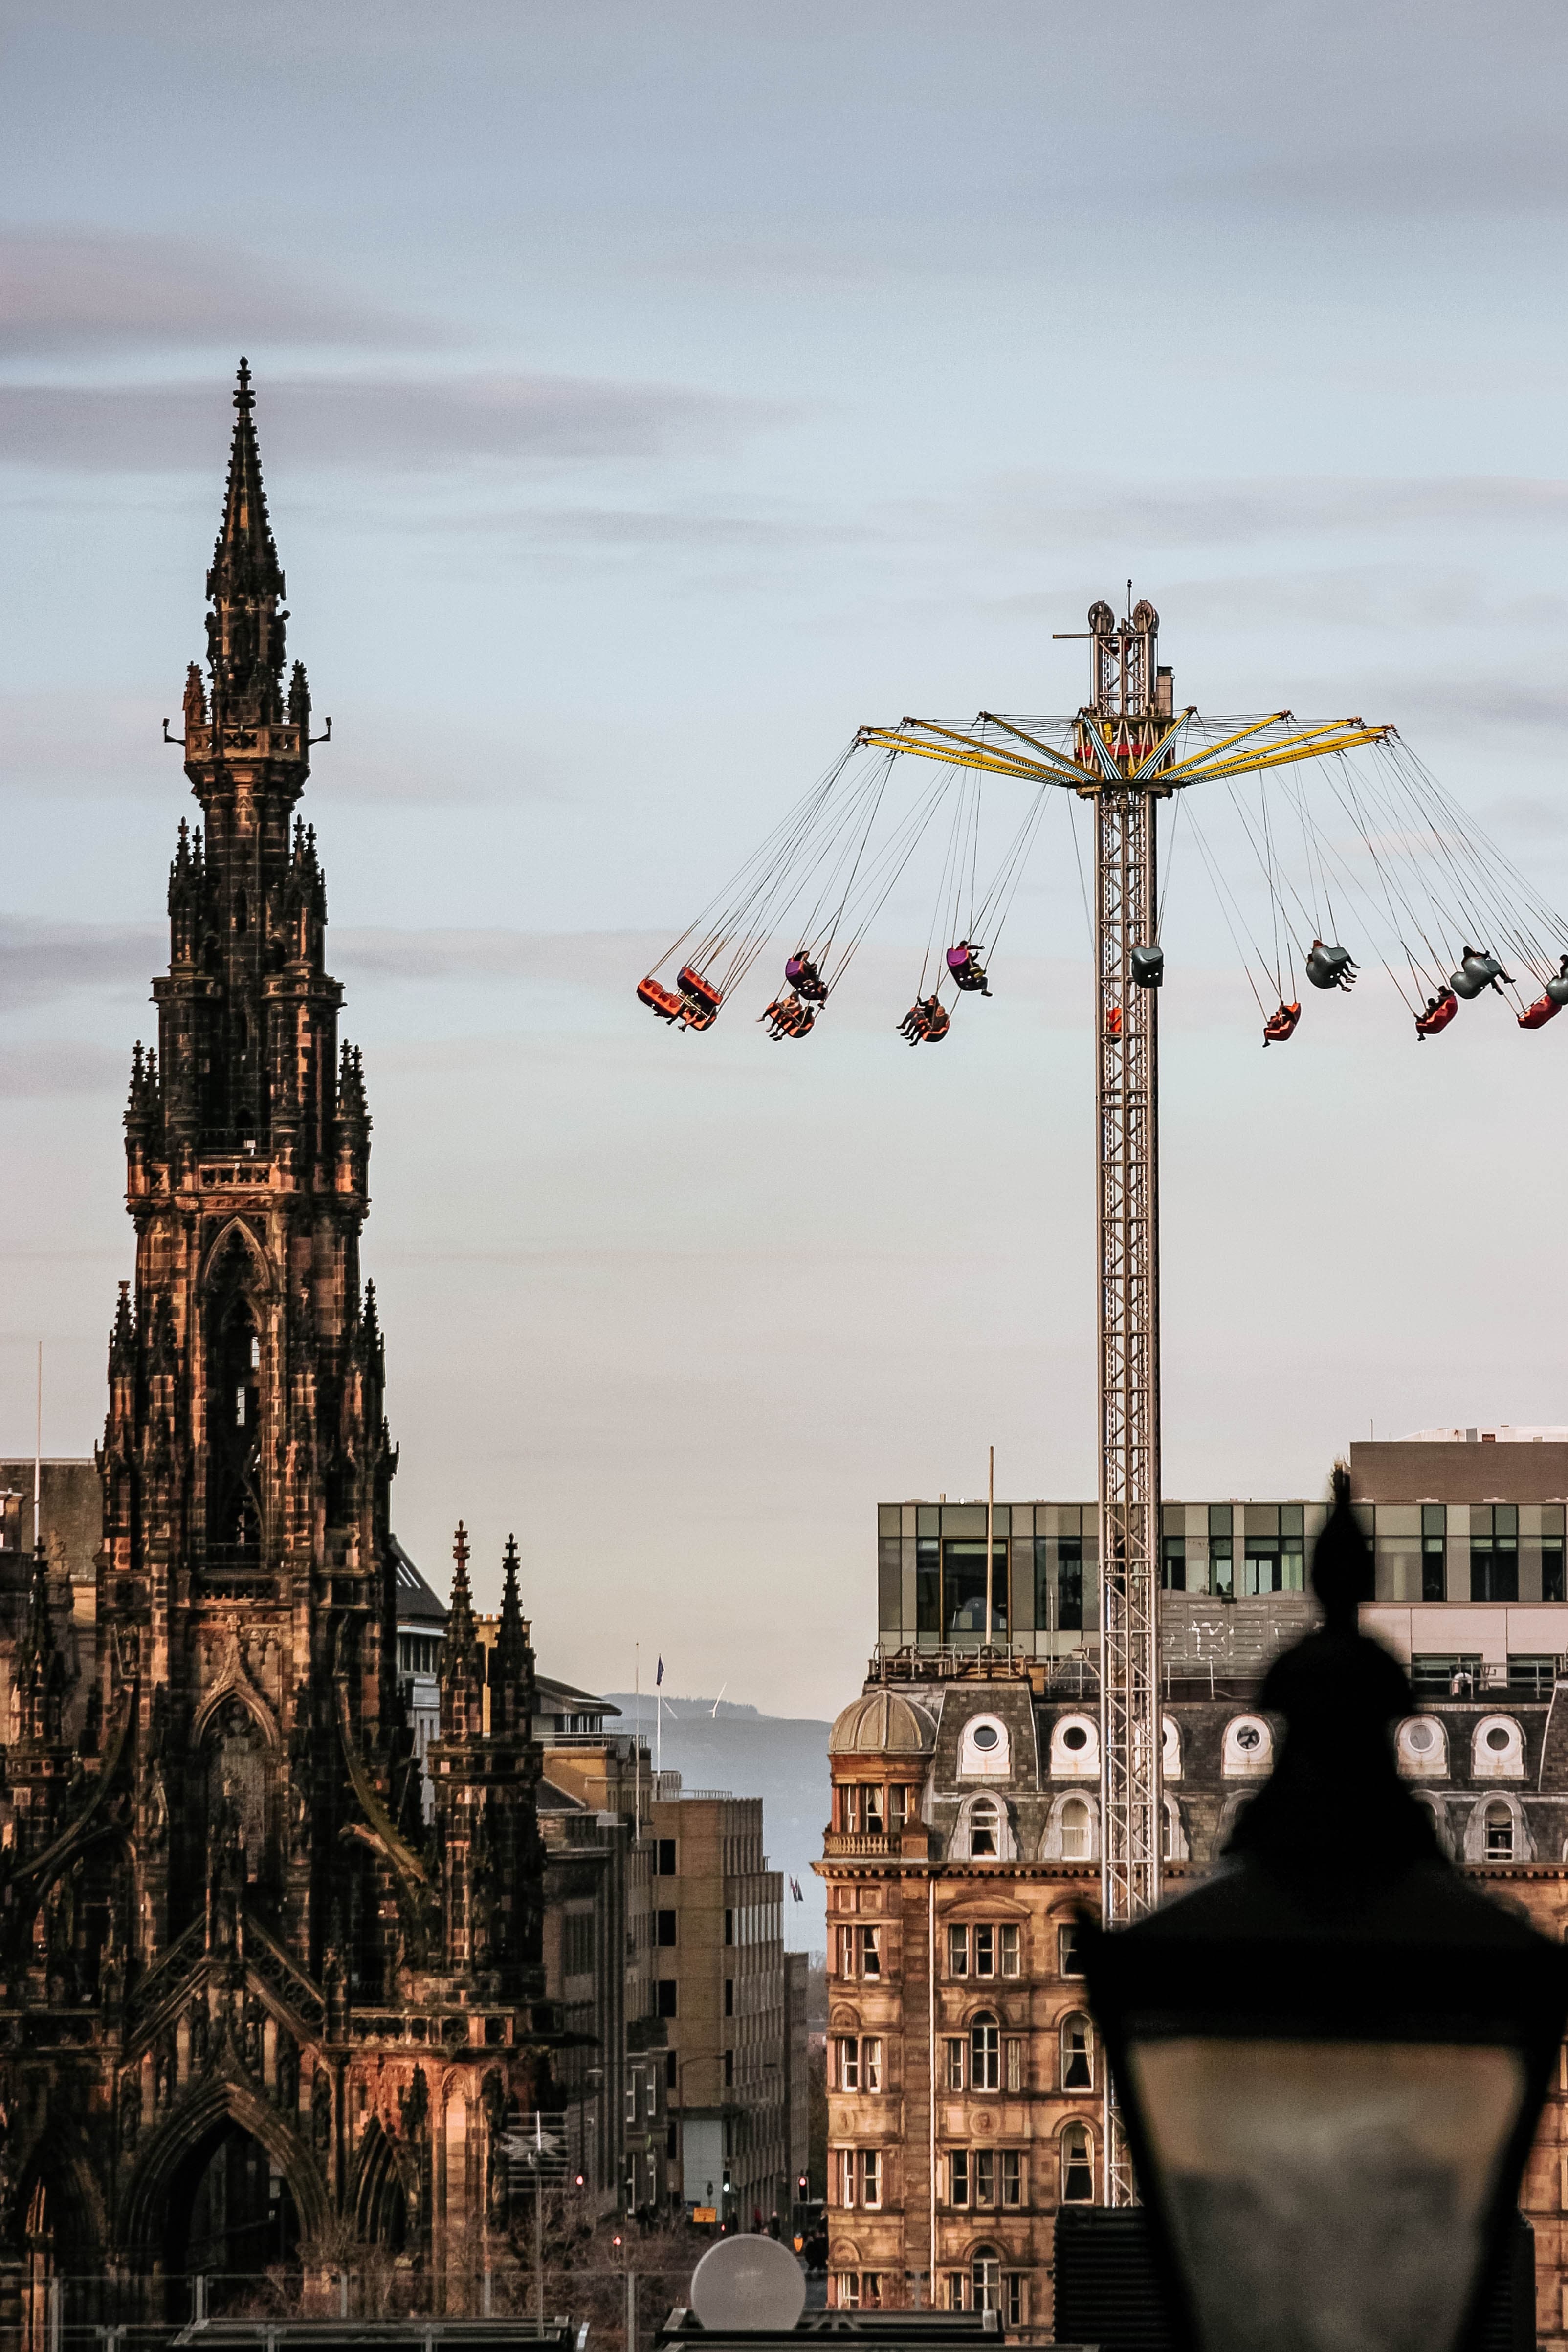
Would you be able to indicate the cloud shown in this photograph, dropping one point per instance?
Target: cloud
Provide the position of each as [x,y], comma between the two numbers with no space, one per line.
[1075,513]
[640,530]
[399,423]
[41,961]
[69,293]
[61,1067]
[64,745]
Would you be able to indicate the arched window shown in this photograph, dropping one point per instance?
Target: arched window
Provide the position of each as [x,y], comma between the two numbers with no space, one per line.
[1500,1833]
[1173,1837]
[984,1829]
[1497,1749]
[1078,1830]
[1074,1747]
[984,2052]
[984,1751]
[1422,1748]
[1078,2166]
[984,2279]
[1248,1752]
[1078,2053]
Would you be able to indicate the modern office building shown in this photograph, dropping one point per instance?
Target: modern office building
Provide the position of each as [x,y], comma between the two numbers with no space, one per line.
[720,1986]
[964,2073]
[1461,1521]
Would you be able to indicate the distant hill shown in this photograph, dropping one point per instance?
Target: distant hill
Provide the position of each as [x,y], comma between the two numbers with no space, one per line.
[780,1758]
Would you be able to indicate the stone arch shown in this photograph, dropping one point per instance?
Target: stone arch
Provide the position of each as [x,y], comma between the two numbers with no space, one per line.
[1494,1818]
[1073,1822]
[58,2194]
[381,2193]
[237,1230]
[233,1682]
[169,2149]
[984,1829]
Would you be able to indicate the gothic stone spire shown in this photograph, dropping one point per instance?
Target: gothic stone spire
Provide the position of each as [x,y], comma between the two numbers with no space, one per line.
[245,629]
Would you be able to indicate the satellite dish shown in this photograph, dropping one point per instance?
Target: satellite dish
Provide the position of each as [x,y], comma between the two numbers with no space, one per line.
[749,2281]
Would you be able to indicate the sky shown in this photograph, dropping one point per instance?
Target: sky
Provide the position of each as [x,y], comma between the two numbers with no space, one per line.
[648,397]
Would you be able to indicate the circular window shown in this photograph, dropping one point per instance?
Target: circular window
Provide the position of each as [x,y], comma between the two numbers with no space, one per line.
[1074,1737]
[1419,1737]
[984,1735]
[1498,1738]
[1249,1737]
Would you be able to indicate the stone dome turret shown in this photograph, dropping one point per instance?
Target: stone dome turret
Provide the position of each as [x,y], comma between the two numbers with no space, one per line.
[882,1723]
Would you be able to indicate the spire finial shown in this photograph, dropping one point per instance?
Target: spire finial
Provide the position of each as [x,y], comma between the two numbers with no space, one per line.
[244,398]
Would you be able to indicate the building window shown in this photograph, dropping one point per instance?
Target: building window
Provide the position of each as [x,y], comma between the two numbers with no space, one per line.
[1013,2064]
[871,2062]
[1069,1961]
[958,2177]
[1078,2166]
[1174,1563]
[577,1944]
[1078,1830]
[664,1926]
[729,1927]
[986,1951]
[963,1588]
[870,2177]
[1500,1833]
[985,1824]
[848,2056]
[1069,1584]
[870,2290]
[672,2070]
[859,2063]
[985,2279]
[928,1586]
[958,1952]
[1015,2298]
[1494,1551]
[729,2070]
[953,2284]
[1434,1552]
[1551,1569]
[955,2064]
[859,1953]
[729,1996]
[900,1808]
[984,2053]
[1013,2176]
[985,2175]
[1222,1555]
[664,1858]
[1011,1959]
[667,1997]
[1077,2053]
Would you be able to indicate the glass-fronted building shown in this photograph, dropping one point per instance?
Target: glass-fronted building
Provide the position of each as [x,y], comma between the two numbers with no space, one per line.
[1467,1528]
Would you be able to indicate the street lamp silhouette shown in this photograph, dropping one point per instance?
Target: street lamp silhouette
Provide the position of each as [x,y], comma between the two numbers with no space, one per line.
[1331,2056]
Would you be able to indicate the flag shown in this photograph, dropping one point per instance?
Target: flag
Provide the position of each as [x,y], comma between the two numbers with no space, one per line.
[659,1676]
[794,1890]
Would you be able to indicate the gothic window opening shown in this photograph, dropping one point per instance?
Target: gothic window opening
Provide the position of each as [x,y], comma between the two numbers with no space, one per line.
[1500,1833]
[234,1433]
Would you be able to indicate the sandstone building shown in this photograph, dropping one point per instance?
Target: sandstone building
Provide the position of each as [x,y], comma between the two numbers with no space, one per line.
[965,2074]
[256,2012]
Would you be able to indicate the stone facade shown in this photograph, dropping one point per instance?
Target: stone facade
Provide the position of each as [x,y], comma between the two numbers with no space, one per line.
[255,2012]
[965,2076]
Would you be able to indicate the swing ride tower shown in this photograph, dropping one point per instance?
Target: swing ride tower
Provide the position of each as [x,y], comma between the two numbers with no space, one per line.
[1119,730]
[1124,752]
